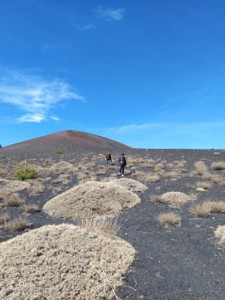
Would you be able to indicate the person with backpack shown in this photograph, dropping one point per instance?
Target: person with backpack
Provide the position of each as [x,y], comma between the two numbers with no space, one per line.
[122,163]
[108,159]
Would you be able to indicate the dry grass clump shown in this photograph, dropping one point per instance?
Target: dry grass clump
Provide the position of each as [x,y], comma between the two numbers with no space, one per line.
[169,219]
[31,208]
[131,184]
[14,185]
[220,234]
[222,184]
[8,199]
[103,225]
[207,208]
[219,165]
[159,167]
[171,175]
[212,177]
[91,199]
[61,165]
[151,178]
[200,167]
[176,199]
[36,187]
[203,185]
[63,262]
[4,218]
[17,224]
[145,177]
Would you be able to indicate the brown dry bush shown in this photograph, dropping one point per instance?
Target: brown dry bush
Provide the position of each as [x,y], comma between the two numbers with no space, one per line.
[171,175]
[203,185]
[207,208]
[63,262]
[13,185]
[151,178]
[145,176]
[200,167]
[18,224]
[169,219]
[130,184]
[159,167]
[222,184]
[31,208]
[8,199]
[212,177]
[176,199]
[36,188]
[62,165]
[219,165]
[220,234]
[102,225]
[88,199]
[4,218]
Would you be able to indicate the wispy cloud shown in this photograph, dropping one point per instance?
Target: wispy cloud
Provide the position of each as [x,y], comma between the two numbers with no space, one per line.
[109,14]
[34,95]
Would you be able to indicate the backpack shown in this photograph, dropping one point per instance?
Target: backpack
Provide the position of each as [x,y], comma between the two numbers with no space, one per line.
[122,161]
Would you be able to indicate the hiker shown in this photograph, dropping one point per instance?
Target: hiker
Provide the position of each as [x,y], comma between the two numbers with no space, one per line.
[108,158]
[122,163]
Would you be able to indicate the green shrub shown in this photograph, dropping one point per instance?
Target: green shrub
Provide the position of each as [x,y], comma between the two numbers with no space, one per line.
[58,151]
[2,156]
[24,172]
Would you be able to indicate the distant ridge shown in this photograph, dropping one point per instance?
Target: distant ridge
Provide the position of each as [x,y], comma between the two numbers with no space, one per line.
[69,141]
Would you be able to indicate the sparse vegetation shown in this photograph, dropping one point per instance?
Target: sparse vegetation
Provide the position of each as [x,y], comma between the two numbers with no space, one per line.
[220,234]
[8,199]
[18,224]
[207,208]
[219,165]
[31,208]
[201,167]
[176,199]
[169,219]
[58,151]
[24,172]
[4,218]
[101,225]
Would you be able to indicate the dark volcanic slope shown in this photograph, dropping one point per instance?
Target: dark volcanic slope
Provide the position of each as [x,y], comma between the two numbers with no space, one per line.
[69,141]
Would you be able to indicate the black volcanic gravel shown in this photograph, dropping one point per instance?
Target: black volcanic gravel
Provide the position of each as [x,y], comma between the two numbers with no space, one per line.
[180,263]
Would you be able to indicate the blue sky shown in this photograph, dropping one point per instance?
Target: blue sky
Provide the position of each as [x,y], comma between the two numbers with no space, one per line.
[150,73]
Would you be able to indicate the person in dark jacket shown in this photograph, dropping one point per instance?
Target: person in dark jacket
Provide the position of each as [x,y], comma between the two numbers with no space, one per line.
[108,158]
[122,163]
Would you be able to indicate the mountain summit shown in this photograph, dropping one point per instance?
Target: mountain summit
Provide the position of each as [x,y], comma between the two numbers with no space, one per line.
[69,142]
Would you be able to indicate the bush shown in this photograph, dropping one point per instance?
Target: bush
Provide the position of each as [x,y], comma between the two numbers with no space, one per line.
[58,151]
[24,172]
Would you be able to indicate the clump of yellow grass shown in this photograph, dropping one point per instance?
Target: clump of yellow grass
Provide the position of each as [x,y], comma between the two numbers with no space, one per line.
[61,165]
[207,208]
[220,234]
[169,219]
[176,199]
[62,262]
[103,225]
[131,184]
[91,199]
[219,165]
[201,167]
[14,185]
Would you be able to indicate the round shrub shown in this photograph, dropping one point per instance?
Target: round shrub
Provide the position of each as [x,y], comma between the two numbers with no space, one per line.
[24,172]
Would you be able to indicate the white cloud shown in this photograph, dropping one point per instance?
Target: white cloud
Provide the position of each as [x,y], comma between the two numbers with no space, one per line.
[34,95]
[54,118]
[109,14]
